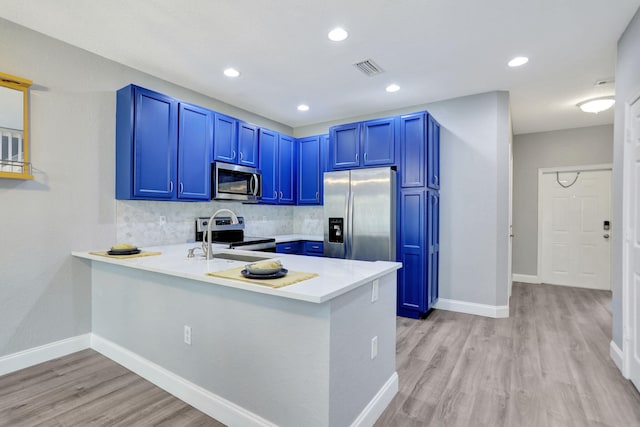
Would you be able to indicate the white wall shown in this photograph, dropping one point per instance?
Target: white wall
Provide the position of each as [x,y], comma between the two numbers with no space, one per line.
[627,85]
[71,204]
[474,208]
[570,147]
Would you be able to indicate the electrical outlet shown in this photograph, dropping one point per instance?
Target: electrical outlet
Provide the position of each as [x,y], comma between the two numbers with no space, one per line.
[187,335]
[163,220]
[374,291]
[374,347]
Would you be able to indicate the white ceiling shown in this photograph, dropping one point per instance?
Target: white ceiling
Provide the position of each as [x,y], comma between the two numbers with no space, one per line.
[433,49]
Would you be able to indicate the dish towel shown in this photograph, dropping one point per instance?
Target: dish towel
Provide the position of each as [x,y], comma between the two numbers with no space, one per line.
[141,254]
[291,277]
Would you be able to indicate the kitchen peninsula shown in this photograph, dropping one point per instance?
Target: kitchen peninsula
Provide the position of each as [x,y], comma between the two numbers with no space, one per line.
[320,352]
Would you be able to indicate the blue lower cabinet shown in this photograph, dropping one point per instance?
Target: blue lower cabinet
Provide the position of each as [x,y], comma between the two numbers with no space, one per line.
[314,248]
[289,248]
[419,251]
[301,247]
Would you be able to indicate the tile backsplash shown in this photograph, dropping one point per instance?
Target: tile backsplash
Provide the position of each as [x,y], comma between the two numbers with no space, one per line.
[149,223]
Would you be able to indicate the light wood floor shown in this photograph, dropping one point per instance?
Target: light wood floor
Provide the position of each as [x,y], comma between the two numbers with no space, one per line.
[87,389]
[546,365]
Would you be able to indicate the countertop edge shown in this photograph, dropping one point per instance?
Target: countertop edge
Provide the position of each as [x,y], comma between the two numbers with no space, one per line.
[280,292]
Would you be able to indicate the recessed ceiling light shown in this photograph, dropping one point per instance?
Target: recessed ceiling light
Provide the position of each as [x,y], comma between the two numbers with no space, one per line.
[303,107]
[337,34]
[518,61]
[392,88]
[597,105]
[231,72]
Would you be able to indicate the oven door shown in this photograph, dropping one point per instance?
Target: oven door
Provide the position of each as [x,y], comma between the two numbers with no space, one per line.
[234,182]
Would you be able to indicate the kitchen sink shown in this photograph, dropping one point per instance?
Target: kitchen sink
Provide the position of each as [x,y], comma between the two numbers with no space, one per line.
[240,257]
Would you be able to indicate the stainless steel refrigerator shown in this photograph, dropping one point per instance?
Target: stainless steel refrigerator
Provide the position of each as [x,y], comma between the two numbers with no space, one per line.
[360,214]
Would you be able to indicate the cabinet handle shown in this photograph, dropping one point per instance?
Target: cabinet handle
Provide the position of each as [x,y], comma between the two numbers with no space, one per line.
[240,152]
[233,154]
[436,179]
[181,188]
[281,195]
[275,195]
[435,200]
[365,157]
[356,157]
[170,186]
[317,195]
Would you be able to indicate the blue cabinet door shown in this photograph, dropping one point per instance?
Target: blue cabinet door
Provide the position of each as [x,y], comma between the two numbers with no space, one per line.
[344,150]
[433,218]
[412,291]
[225,139]
[309,171]
[413,141]
[433,154]
[155,145]
[378,142]
[289,248]
[268,143]
[286,170]
[194,152]
[247,144]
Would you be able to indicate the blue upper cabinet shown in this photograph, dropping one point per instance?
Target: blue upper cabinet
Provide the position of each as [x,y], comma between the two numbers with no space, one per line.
[146,144]
[370,143]
[309,170]
[225,139]
[194,152]
[235,141]
[268,158]
[247,144]
[344,150]
[277,157]
[433,154]
[286,170]
[378,142]
[413,142]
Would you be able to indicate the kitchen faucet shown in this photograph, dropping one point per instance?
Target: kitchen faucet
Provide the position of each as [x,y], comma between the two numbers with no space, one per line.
[234,220]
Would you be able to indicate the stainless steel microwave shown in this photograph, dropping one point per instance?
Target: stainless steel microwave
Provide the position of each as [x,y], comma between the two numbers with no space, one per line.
[235,182]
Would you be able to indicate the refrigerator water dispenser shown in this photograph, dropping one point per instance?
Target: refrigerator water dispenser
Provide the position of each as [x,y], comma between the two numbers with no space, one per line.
[336,230]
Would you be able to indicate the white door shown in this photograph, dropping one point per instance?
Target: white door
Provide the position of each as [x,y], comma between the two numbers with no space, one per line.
[575,236]
[632,296]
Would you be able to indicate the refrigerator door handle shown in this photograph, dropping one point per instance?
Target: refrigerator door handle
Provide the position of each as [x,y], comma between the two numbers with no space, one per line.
[346,233]
[350,219]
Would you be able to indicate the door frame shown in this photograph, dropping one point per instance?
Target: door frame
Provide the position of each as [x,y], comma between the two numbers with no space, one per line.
[628,328]
[577,168]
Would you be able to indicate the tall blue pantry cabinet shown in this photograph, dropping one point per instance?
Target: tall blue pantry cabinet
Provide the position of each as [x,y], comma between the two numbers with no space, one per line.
[418,214]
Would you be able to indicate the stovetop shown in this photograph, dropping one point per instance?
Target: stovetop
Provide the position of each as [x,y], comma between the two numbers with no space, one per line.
[222,231]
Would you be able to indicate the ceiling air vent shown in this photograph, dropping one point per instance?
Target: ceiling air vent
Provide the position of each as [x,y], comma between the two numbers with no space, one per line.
[369,67]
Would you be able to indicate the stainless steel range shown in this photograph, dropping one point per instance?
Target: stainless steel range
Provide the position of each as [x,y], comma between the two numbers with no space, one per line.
[224,232]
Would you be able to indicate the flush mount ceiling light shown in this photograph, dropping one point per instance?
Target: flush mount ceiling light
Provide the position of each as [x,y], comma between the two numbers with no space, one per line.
[231,72]
[392,88]
[597,105]
[518,61]
[337,34]
[303,107]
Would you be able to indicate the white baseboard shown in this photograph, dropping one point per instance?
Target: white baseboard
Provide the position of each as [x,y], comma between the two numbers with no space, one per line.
[33,356]
[496,311]
[525,278]
[618,357]
[378,404]
[211,404]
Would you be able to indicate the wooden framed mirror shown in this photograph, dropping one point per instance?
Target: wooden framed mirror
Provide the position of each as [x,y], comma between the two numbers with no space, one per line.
[14,127]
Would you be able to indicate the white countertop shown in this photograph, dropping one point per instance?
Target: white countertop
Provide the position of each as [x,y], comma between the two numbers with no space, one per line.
[335,276]
[283,238]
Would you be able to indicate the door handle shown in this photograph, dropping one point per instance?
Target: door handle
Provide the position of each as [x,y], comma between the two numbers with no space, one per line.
[606,236]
